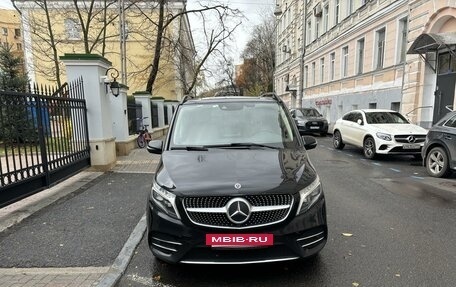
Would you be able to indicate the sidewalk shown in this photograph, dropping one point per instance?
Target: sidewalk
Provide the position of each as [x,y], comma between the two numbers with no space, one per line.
[74,233]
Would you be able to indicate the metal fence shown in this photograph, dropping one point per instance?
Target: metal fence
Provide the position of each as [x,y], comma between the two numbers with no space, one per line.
[134,114]
[154,113]
[43,138]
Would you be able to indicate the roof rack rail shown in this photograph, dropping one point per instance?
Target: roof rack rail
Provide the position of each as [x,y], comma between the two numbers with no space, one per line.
[271,95]
[186,98]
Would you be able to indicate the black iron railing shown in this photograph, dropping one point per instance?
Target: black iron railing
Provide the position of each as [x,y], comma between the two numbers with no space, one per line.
[43,138]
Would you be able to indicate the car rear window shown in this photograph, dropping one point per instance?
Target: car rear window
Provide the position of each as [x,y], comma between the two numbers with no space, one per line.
[385,118]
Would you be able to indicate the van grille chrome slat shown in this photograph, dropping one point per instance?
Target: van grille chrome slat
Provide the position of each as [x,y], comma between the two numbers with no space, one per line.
[212,212]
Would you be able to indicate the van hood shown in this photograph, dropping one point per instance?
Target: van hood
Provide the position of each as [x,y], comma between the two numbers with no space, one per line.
[216,171]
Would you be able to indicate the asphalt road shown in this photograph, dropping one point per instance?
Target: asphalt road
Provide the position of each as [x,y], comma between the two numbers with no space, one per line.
[401,222]
[86,228]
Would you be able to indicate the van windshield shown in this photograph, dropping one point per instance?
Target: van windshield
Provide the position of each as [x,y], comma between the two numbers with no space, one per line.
[225,123]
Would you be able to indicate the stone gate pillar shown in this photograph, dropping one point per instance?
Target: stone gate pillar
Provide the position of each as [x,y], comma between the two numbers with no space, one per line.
[91,68]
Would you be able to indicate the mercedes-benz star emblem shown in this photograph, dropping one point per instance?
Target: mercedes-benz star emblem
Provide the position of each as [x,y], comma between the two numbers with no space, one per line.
[237,186]
[238,210]
[411,139]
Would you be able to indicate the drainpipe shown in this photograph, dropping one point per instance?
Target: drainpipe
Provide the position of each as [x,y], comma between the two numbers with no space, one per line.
[303,54]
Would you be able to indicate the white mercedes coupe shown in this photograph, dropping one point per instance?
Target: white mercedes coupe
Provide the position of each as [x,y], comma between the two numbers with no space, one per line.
[379,132]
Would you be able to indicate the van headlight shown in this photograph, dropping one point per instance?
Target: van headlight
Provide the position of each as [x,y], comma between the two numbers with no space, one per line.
[165,200]
[309,195]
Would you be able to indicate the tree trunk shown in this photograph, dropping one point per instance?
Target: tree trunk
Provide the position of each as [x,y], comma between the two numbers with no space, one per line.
[158,46]
[53,46]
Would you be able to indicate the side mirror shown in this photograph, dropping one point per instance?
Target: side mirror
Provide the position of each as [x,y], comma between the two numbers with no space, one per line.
[155,146]
[360,122]
[309,142]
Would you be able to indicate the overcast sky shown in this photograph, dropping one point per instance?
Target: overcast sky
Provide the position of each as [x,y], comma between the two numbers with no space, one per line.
[253,11]
[5,4]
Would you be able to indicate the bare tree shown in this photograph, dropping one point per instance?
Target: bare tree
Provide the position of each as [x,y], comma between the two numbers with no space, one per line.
[214,38]
[90,15]
[92,21]
[257,74]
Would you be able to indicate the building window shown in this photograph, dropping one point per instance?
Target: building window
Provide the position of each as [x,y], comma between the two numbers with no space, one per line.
[19,46]
[403,31]
[17,33]
[317,28]
[72,29]
[340,110]
[306,76]
[322,70]
[372,105]
[332,67]
[313,74]
[309,32]
[446,63]
[345,61]
[360,56]
[325,18]
[336,12]
[395,106]
[379,48]
[5,31]
[349,7]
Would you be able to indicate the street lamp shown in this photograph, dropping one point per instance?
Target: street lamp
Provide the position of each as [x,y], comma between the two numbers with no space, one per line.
[114,85]
[277,11]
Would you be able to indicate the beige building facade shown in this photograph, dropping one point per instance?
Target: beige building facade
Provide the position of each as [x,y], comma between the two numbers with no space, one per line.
[356,56]
[10,31]
[139,37]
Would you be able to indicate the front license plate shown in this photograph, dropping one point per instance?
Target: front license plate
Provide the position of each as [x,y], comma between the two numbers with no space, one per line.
[411,146]
[239,240]
[314,128]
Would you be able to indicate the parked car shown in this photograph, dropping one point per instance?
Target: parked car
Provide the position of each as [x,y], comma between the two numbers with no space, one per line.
[309,120]
[235,185]
[439,151]
[379,132]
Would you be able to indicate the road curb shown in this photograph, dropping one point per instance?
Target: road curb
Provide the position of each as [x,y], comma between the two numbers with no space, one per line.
[123,259]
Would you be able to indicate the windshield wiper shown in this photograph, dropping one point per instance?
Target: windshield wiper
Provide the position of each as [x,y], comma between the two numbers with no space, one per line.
[190,148]
[246,145]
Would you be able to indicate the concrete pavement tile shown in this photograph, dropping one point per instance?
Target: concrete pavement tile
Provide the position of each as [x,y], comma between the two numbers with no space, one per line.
[48,278]
[5,278]
[24,278]
[80,278]
[32,283]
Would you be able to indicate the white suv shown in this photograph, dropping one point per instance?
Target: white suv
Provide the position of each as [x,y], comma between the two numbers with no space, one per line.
[379,132]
